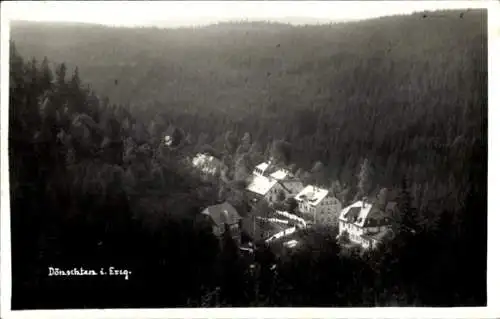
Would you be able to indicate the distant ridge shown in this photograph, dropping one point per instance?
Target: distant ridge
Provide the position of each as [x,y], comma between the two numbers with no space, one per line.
[242,53]
[56,23]
[260,22]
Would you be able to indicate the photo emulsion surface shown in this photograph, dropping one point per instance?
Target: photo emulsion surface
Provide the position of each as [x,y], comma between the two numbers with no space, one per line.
[249,162]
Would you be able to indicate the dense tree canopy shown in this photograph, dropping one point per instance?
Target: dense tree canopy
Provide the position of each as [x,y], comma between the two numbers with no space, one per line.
[356,107]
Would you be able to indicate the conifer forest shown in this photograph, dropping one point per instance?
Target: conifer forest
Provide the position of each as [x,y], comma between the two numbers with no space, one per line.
[394,105]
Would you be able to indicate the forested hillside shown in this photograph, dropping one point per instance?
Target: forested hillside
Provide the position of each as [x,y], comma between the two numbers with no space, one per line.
[405,90]
[405,94]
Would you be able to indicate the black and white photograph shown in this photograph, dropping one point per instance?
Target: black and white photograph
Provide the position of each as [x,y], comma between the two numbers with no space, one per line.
[245,154]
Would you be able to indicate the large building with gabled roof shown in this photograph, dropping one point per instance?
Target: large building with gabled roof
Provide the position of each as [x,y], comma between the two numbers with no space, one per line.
[365,223]
[318,205]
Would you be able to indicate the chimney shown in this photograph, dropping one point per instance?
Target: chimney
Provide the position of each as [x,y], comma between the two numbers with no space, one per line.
[364,201]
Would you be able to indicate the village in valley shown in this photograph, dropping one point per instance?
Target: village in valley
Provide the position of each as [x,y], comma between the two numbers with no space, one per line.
[280,207]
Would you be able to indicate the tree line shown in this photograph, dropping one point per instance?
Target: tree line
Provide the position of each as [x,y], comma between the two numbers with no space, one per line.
[106,187]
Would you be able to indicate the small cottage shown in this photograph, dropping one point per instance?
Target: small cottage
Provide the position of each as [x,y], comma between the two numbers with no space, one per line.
[224,217]
[207,165]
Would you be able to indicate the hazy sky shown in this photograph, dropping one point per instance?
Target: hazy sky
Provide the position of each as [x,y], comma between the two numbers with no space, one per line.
[182,13]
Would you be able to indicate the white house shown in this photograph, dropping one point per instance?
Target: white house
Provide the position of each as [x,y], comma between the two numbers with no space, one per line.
[319,205]
[269,183]
[364,223]
[261,169]
[280,174]
[208,165]
[267,169]
[262,186]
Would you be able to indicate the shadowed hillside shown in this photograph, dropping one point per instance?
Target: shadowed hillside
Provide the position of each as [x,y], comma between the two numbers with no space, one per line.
[331,90]
[404,95]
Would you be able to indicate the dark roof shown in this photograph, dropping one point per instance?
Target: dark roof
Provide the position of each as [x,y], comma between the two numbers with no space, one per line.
[378,235]
[353,213]
[376,218]
[391,206]
[222,214]
[290,180]
[283,185]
